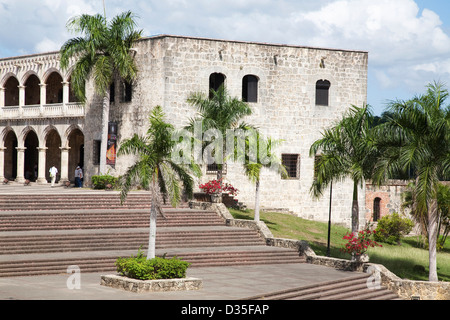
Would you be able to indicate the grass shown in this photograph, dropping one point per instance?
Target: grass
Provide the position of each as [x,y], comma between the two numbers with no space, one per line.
[407,261]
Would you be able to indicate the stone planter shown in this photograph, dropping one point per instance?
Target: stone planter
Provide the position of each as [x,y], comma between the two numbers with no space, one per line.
[363,258]
[216,198]
[139,286]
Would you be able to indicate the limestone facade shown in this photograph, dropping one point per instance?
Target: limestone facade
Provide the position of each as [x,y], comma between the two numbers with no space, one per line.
[288,80]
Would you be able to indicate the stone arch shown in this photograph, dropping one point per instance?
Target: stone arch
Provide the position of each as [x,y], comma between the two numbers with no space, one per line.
[75,144]
[6,77]
[23,135]
[11,86]
[53,144]
[10,142]
[54,87]
[31,155]
[32,88]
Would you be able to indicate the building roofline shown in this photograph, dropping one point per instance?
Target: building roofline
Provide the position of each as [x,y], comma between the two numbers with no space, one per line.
[161,36]
[248,42]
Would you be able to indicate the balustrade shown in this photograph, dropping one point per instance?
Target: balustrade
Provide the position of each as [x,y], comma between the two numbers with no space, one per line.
[54,110]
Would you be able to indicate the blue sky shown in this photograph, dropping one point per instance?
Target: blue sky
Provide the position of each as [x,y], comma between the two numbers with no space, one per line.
[408,40]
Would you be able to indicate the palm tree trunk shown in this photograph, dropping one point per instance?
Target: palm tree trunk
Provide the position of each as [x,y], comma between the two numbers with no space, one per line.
[104,137]
[355,208]
[151,252]
[257,201]
[432,239]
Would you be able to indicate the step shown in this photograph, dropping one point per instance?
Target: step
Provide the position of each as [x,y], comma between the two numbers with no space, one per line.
[103,219]
[106,264]
[351,288]
[126,241]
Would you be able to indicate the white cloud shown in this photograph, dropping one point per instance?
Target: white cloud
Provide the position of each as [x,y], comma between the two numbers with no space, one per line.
[407,47]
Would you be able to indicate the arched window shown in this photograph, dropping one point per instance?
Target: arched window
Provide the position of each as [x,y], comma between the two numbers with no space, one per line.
[250,88]
[11,92]
[376,209]
[322,92]
[215,81]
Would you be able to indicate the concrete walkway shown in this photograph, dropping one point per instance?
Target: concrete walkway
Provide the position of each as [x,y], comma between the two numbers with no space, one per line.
[219,283]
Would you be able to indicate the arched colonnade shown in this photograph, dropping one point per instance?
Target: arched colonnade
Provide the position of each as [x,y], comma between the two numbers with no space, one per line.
[28,152]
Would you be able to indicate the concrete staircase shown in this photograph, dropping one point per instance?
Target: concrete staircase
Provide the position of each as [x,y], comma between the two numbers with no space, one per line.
[351,288]
[46,233]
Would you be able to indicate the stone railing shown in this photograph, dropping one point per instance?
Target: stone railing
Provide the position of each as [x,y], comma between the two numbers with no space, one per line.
[406,289]
[55,110]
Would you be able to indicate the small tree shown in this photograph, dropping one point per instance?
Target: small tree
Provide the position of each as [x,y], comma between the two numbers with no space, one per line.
[346,151]
[263,156]
[417,136]
[217,114]
[154,170]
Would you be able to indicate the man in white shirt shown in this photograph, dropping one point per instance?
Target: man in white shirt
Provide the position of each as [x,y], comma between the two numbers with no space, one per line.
[78,177]
[53,172]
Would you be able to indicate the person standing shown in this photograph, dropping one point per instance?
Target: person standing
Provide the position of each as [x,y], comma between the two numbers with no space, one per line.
[78,177]
[53,172]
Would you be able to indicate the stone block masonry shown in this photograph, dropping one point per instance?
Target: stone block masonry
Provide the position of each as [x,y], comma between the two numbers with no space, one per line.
[170,68]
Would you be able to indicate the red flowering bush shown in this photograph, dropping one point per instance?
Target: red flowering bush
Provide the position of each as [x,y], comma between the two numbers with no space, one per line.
[358,243]
[216,186]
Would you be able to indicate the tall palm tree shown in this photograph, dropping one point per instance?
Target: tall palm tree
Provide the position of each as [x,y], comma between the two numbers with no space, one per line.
[264,157]
[101,51]
[218,112]
[154,170]
[346,151]
[418,136]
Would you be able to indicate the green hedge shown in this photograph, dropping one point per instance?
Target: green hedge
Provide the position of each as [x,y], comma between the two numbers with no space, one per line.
[100,182]
[391,228]
[139,267]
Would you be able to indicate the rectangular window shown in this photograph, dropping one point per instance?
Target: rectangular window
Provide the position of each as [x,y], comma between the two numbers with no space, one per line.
[292,164]
[212,168]
[127,91]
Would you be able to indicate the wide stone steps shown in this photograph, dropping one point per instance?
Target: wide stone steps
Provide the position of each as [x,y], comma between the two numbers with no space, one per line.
[352,288]
[80,201]
[44,234]
[106,263]
[82,219]
[225,236]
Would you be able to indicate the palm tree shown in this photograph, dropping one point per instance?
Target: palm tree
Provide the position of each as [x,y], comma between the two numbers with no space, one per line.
[264,157]
[418,136]
[218,113]
[101,52]
[154,170]
[345,151]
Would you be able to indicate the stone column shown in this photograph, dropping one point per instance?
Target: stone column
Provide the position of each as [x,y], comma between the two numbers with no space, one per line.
[43,98]
[20,164]
[21,100]
[2,164]
[64,164]
[41,179]
[65,96]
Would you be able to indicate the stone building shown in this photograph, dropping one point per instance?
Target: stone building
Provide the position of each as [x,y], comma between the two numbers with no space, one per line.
[294,92]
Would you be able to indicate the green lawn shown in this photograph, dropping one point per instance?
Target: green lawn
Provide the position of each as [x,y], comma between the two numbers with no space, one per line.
[407,261]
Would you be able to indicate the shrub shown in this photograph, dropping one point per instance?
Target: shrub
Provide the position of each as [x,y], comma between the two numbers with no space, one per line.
[102,181]
[392,228]
[216,186]
[359,242]
[138,267]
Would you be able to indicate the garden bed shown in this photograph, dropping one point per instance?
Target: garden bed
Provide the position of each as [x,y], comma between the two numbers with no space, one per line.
[140,286]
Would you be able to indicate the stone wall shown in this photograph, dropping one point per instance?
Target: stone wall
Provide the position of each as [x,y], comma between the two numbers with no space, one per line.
[171,68]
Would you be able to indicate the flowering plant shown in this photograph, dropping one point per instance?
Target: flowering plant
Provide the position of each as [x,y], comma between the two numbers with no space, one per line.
[216,186]
[359,242]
